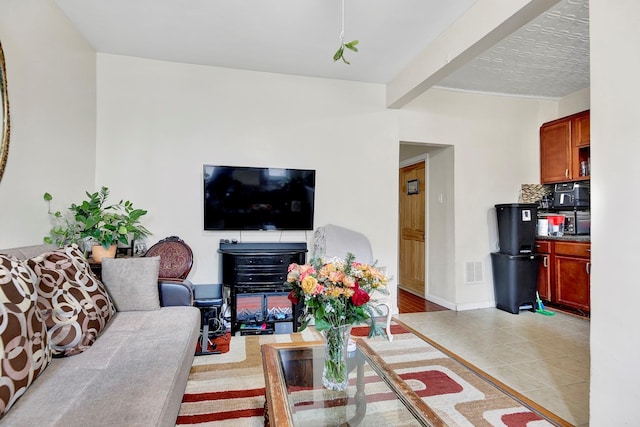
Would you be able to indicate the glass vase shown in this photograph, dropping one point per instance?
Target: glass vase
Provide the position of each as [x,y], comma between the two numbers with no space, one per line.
[335,375]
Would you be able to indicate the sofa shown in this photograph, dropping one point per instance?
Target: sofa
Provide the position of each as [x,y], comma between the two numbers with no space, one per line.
[132,372]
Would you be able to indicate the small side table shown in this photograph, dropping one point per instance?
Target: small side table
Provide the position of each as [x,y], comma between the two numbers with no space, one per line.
[209,299]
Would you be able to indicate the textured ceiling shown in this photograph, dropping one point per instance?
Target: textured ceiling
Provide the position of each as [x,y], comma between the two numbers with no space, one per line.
[549,57]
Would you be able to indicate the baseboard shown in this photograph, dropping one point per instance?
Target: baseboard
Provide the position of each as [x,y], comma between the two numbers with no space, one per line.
[457,307]
[440,301]
[475,305]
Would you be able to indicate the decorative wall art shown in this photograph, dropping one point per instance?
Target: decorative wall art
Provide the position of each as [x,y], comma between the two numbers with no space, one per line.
[4,115]
[413,186]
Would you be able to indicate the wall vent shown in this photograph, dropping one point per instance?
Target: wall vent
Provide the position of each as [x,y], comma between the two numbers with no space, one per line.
[473,272]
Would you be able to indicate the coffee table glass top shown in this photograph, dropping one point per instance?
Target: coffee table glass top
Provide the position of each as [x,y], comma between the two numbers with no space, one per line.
[376,395]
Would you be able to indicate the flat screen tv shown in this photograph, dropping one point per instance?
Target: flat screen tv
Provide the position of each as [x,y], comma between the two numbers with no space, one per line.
[253,198]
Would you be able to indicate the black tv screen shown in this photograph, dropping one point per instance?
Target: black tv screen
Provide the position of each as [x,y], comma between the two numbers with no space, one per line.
[252,198]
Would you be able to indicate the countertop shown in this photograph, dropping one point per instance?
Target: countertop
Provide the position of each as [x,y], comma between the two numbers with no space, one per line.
[567,238]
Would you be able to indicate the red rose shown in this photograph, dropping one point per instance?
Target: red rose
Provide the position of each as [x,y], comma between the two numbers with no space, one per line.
[359,297]
[292,297]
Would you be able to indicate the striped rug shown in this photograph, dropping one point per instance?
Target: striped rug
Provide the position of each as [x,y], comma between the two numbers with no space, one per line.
[228,389]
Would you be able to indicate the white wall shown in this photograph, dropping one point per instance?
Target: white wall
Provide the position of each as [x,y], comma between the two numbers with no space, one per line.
[574,103]
[615,150]
[51,84]
[495,140]
[159,122]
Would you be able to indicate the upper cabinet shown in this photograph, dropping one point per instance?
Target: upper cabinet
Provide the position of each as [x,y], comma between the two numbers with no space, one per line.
[564,146]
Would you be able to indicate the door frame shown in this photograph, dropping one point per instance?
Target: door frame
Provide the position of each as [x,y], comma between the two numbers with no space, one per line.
[408,162]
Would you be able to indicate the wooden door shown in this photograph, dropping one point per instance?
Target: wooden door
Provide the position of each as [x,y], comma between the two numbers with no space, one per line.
[555,152]
[572,282]
[545,269]
[412,229]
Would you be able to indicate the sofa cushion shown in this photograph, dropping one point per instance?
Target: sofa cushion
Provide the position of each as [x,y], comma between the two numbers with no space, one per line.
[132,282]
[73,301]
[25,351]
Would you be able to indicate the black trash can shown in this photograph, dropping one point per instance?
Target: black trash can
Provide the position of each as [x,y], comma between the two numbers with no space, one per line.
[517,227]
[515,280]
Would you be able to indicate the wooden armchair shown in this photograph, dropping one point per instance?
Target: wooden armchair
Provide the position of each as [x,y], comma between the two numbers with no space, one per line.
[176,260]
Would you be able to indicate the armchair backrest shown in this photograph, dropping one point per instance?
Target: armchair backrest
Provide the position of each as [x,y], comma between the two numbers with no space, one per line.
[335,241]
[176,258]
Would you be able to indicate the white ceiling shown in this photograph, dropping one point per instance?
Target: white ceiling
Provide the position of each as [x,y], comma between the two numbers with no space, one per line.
[548,58]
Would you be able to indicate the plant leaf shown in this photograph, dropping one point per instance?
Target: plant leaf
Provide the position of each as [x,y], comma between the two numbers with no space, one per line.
[322,324]
[352,45]
[339,53]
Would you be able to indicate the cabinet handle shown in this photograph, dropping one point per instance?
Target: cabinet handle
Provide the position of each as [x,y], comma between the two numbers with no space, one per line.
[544,262]
[588,268]
[566,173]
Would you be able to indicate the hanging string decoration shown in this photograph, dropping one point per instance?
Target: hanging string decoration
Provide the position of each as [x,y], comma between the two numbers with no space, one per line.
[352,45]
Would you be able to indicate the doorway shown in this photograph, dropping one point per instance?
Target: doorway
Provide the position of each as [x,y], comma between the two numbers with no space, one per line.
[434,269]
[412,245]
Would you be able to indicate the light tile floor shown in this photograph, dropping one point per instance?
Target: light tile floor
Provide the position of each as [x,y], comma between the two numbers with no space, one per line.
[545,358]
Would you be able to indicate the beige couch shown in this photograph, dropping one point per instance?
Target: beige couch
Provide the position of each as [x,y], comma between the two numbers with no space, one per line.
[134,374]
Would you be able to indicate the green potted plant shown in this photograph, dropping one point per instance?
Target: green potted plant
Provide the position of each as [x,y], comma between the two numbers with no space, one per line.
[94,220]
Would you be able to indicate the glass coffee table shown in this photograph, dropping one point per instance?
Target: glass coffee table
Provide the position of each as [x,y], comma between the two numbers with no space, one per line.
[376,396]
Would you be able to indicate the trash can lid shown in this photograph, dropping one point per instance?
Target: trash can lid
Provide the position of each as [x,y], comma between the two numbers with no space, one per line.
[516,205]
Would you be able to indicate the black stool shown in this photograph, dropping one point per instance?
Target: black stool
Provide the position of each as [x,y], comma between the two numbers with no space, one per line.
[209,299]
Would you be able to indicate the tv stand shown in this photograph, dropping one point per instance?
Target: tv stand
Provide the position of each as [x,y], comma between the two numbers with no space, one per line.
[255,274]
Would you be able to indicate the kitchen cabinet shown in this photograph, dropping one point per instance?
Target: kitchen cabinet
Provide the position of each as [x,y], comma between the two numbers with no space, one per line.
[564,143]
[564,275]
[545,268]
[572,263]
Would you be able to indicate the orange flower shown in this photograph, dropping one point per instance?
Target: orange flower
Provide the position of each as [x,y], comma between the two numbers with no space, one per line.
[336,277]
[334,291]
[348,281]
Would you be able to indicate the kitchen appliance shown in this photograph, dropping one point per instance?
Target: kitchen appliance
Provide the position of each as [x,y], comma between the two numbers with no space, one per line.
[572,195]
[576,222]
[555,224]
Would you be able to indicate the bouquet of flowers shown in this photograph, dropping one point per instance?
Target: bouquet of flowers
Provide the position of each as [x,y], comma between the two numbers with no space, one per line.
[336,292]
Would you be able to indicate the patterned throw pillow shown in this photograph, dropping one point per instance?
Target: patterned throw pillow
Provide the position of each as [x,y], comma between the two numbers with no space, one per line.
[73,301]
[24,343]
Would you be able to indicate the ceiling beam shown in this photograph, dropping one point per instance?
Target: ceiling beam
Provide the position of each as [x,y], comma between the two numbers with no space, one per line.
[486,23]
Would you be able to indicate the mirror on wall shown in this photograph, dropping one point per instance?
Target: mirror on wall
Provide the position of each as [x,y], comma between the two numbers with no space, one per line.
[4,114]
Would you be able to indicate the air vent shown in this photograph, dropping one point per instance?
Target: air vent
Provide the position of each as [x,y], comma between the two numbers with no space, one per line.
[473,272]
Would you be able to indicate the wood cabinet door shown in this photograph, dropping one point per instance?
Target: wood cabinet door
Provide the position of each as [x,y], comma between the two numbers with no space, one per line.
[572,287]
[544,277]
[555,152]
[582,129]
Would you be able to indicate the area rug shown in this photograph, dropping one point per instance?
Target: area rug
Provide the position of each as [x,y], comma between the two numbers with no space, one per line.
[228,389]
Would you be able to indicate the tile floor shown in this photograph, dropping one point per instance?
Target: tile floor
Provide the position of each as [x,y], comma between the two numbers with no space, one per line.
[545,358]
